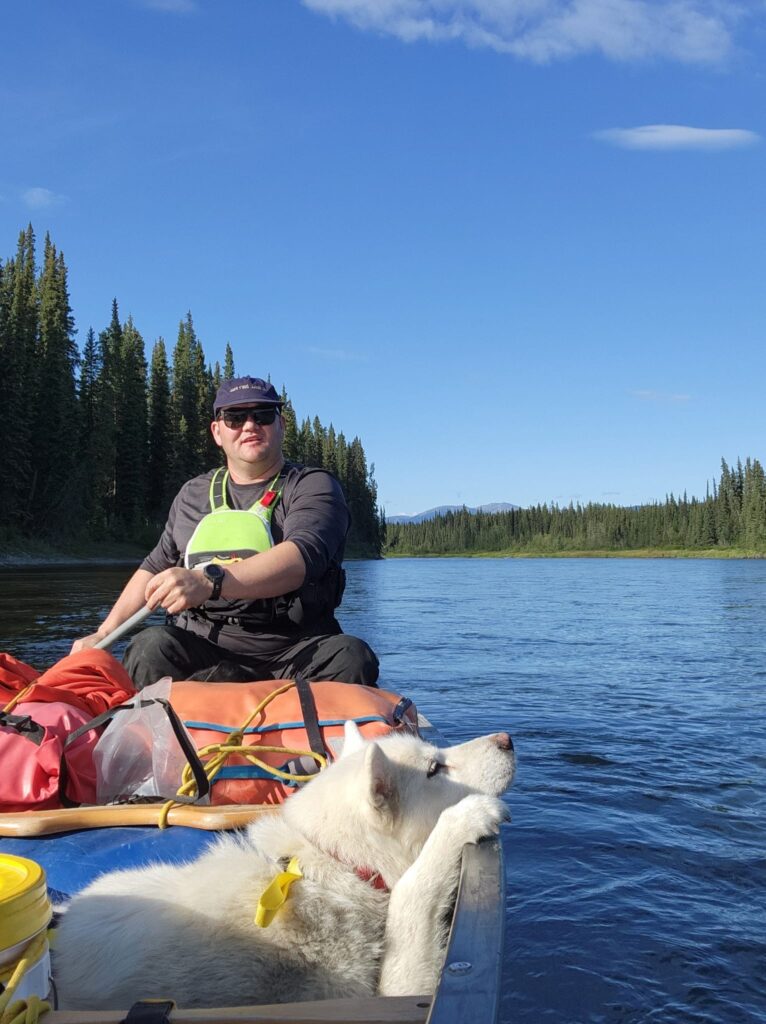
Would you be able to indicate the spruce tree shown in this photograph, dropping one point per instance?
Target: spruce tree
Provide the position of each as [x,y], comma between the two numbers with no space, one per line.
[341,457]
[91,437]
[191,385]
[362,500]
[108,396]
[20,386]
[307,450]
[228,363]
[131,434]
[160,429]
[212,455]
[290,445]
[55,496]
[8,377]
[329,451]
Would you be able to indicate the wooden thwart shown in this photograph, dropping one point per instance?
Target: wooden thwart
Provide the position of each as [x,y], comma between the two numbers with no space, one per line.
[375,1010]
[68,819]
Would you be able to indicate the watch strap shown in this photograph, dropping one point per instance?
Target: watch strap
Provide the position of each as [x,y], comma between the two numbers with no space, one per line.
[217,584]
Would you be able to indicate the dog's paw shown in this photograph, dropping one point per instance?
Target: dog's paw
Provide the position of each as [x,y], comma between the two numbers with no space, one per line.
[475,817]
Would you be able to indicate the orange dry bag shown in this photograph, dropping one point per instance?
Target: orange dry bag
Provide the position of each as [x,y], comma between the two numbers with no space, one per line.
[303,720]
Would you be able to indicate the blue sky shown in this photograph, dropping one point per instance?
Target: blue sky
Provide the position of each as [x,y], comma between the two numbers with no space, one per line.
[515,245]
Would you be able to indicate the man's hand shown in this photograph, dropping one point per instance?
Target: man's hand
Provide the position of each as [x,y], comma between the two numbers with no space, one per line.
[127,604]
[87,641]
[177,589]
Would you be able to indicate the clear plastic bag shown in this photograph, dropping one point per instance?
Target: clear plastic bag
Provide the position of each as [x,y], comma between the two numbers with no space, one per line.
[138,755]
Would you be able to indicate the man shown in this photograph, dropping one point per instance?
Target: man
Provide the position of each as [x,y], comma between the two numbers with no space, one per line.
[249,564]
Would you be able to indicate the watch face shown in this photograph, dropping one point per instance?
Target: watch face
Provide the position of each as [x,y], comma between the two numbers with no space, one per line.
[215,573]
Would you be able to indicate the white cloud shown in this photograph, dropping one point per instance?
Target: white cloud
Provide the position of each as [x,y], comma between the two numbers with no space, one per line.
[648,395]
[171,6]
[678,136]
[41,198]
[339,355]
[545,30]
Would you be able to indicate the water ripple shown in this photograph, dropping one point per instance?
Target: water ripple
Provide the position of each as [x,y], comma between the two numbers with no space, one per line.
[634,692]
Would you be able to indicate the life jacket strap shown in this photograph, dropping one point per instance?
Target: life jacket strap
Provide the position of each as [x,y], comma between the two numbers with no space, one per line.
[220,482]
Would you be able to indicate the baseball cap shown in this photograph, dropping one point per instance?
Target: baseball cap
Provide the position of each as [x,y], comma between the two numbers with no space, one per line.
[245,391]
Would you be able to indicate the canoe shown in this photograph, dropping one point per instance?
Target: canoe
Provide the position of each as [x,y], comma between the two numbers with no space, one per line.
[73,845]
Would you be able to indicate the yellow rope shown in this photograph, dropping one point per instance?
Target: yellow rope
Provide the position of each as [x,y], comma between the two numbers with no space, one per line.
[23,1011]
[19,697]
[215,755]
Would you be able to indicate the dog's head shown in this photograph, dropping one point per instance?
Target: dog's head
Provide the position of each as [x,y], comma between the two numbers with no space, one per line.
[391,791]
[403,777]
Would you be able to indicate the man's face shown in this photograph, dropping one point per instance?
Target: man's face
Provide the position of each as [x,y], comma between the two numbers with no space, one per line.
[246,443]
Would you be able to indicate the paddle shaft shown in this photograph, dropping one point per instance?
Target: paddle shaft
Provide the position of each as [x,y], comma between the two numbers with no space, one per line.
[126,627]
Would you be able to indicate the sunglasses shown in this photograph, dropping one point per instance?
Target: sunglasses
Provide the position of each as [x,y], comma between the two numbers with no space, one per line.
[236,418]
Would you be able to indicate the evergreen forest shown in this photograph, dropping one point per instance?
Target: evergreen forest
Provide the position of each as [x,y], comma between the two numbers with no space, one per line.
[95,442]
[732,518]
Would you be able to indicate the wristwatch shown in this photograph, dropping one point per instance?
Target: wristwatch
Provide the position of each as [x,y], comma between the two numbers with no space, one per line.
[216,574]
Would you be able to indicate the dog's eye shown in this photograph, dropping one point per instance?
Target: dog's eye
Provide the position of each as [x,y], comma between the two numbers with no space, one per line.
[434,767]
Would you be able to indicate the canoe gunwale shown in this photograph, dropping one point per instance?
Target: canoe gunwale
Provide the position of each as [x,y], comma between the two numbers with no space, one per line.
[476,938]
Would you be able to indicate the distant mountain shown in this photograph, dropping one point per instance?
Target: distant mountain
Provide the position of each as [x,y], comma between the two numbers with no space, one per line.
[441,510]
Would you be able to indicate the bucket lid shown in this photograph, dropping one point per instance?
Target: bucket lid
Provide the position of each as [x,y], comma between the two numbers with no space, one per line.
[24,905]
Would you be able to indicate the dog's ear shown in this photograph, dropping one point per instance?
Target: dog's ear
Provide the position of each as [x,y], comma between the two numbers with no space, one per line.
[379,776]
[352,739]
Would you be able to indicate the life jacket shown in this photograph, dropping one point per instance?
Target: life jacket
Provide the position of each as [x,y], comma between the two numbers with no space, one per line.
[227,535]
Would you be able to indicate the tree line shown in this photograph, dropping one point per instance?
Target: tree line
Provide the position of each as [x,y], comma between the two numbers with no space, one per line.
[733,516]
[94,444]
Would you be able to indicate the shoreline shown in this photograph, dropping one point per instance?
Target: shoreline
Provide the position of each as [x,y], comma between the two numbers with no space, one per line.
[687,553]
[37,559]
[40,556]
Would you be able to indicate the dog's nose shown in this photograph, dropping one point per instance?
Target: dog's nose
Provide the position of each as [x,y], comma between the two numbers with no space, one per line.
[503,740]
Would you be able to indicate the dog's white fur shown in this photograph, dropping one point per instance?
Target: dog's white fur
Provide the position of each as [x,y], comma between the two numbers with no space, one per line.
[187,931]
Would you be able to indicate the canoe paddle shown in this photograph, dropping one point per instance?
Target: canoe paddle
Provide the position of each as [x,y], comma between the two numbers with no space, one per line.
[126,627]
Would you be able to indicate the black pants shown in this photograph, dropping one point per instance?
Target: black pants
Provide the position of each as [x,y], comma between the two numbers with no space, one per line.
[171,651]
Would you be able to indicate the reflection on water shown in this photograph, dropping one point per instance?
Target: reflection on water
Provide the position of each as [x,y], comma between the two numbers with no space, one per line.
[44,609]
[635,694]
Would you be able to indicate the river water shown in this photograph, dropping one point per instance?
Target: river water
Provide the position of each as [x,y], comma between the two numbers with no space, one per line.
[635,693]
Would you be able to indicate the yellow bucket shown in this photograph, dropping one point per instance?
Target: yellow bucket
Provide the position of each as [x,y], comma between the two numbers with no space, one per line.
[25,912]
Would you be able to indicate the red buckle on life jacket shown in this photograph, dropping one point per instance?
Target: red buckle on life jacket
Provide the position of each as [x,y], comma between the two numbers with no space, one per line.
[268,498]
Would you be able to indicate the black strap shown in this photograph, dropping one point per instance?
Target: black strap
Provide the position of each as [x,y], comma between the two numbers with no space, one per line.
[201,780]
[309,712]
[24,725]
[149,1011]
[401,710]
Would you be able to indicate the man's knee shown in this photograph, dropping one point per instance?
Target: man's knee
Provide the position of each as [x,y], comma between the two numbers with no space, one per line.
[363,661]
[346,659]
[159,651]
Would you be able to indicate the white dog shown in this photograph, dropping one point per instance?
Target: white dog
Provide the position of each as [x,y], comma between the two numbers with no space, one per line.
[398,808]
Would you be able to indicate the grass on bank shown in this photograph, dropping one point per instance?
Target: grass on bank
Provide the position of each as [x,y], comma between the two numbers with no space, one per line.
[16,550]
[603,553]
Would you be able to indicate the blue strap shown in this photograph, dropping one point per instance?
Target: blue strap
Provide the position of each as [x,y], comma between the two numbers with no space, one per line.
[217,727]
